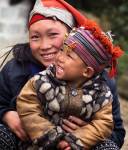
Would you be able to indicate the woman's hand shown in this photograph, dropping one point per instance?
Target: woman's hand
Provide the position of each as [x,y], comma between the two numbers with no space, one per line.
[63,145]
[72,123]
[11,118]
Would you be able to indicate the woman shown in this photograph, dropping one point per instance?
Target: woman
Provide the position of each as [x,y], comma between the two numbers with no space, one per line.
[53,18]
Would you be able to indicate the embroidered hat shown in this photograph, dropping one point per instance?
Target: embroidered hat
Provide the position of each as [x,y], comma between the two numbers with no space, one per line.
[56,9]
[93,46]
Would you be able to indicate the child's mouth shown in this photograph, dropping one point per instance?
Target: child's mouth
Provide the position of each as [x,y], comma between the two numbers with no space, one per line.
[59,70]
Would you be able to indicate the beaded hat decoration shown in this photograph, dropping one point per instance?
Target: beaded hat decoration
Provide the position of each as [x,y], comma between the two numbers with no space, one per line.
[94,47]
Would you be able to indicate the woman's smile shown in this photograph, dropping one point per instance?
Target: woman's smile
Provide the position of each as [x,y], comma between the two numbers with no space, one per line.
[48,56]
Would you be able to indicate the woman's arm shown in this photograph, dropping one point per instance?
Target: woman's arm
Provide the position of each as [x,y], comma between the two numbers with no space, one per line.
[8,92]
[5,91]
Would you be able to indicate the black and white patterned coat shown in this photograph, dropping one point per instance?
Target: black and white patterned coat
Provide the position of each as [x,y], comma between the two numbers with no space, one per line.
[52,94]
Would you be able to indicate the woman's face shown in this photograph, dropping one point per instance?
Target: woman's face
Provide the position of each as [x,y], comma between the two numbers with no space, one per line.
[46,38]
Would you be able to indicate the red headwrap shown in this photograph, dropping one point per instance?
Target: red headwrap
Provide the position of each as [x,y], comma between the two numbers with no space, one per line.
[59,9]
[36,18]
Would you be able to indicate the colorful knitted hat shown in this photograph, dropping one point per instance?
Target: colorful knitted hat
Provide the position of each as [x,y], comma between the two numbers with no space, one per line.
[93,46]
[56,9]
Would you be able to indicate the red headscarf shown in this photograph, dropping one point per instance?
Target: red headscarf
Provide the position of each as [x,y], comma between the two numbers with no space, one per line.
[56,8]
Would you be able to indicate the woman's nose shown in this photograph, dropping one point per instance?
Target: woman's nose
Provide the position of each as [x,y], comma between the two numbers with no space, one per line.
[45,44]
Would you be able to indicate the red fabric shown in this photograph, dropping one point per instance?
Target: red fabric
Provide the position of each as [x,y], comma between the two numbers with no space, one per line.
[80,19]
[116,53]
[36,18]
[53,3]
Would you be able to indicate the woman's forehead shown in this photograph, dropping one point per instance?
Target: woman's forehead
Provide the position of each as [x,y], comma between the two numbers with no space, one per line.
[48,23]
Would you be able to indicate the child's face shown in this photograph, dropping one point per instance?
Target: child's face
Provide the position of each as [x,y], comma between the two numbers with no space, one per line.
[69,66]
[46,38]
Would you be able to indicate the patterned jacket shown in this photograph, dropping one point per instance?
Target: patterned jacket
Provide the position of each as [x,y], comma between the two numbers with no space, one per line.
[47,101]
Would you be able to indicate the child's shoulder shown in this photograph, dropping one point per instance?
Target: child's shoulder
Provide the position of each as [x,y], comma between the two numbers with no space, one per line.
[41,76]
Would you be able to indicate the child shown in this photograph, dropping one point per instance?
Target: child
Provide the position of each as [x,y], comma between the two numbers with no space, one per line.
[72,86]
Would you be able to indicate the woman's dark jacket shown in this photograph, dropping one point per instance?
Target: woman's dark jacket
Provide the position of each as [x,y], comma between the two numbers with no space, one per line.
[16,73]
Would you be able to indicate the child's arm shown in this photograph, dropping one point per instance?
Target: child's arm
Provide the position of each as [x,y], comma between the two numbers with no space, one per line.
[97,130]
[30,112]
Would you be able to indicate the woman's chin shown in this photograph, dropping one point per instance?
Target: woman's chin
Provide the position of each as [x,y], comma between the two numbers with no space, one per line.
[47,64]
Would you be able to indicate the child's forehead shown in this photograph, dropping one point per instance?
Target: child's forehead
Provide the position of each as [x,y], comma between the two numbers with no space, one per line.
[68,50]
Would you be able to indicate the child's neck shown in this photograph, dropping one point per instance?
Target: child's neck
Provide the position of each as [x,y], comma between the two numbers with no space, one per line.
[76,84]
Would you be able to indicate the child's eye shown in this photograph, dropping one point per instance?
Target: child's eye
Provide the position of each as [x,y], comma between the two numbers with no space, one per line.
[69,55]
[61,49]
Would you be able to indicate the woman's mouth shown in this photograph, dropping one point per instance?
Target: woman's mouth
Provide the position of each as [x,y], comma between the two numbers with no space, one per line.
[48,56]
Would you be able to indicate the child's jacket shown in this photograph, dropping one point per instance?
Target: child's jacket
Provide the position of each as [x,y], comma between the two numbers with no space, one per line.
[45,101]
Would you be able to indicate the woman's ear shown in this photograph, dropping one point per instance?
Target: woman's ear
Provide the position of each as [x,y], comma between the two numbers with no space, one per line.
[88,72]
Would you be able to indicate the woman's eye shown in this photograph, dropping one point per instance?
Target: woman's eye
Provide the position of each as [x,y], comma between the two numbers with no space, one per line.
[53,34]
[34,37]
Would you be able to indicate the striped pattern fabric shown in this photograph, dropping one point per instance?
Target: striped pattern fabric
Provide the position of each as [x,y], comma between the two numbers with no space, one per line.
[91,51]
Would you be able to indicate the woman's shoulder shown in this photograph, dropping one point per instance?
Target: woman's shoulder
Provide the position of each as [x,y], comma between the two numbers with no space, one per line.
[13,68]
[9,65]
[22,52]
[111,82]
[20,57]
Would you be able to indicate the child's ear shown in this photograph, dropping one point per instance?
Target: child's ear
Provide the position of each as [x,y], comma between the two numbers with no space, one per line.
[88,72]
